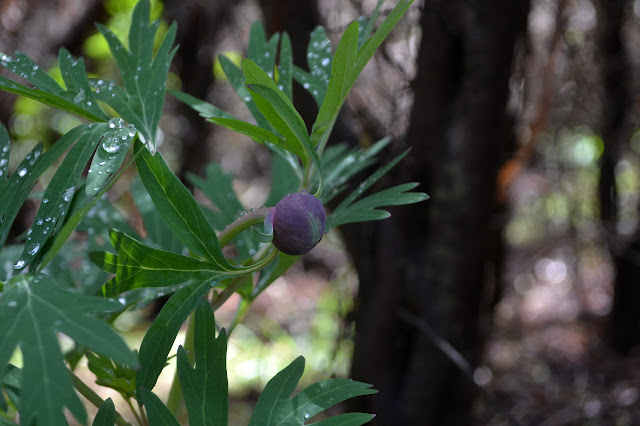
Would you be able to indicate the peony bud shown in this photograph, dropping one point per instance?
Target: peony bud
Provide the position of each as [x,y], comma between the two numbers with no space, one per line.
[298,223]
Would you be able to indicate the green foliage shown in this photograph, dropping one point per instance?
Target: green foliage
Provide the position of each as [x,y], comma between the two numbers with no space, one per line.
[106,415]
[32,310]
[205,385]
[180,251]
[276,407]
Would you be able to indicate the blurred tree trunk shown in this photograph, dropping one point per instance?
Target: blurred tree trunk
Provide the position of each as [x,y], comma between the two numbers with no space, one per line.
[438,260]
[624,327]
[198,25]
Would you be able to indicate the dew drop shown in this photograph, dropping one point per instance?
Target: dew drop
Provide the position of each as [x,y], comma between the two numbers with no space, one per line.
[325,62]
[45,200]
[33,249]
[116,122]
[68,193]
[12,303]
[111,145]
[131,130]
[22,172]
[306,85]
[19,264]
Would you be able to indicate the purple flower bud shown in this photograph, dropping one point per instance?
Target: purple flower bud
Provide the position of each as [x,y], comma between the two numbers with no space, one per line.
[298,223]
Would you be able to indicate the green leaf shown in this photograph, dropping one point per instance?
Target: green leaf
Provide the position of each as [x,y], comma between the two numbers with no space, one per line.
[237,80]
[366,24]
[348,63]
[276,407]
[277,390]
[317,398]
[285,66]
[144,78]
[11,382]
[217,187]
[109,158]
[158,413]
[319,60]
[77,98]
[284,180]
[136,265]
[159,235]
[5,148]
[32,311]
[371,45]
[106,415]
[179,209]
[59,193]
[118,377]
[340,164]
[261,51]
[162,333]
[6,422]
[346,419]
[260,134]
[364,210]
[282,116]
[344,61]
[205,386]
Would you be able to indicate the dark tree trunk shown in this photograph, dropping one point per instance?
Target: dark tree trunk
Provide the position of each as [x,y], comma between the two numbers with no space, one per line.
[624,330]
[438,260]
[198,25]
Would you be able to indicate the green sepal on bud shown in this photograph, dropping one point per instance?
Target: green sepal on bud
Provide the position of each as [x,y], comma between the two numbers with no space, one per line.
[298,222]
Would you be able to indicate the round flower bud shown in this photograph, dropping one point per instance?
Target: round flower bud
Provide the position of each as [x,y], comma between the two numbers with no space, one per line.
[298,223]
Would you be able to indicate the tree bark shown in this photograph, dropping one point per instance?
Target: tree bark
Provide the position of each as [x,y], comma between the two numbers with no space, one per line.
[438,259]
[624,326]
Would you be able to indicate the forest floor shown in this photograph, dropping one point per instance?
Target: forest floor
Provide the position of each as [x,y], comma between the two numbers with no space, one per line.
[546,361]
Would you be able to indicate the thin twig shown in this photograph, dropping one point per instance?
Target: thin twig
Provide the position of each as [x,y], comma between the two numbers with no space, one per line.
[93,397]
[456,357]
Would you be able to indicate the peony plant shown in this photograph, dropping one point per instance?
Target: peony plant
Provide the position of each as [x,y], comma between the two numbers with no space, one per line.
[181,253]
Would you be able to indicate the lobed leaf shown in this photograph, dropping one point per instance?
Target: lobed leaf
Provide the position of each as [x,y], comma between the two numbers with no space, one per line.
[348,62]
[276,407]
[162,333]
[261,51]
[351,211]
[217,187]
[285,66]
[179,209]
[157,412]
[277,390]
[159,235]
[61,189]
[77,98]
[319,61]
[118,377]
[340,164]
[106,415]
[32,311]
[144,77]
[136,265]
[205,386]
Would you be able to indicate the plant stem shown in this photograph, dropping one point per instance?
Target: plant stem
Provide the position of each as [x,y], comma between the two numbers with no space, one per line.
[175,402]
[93,397]
[250,219]
[135,413]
